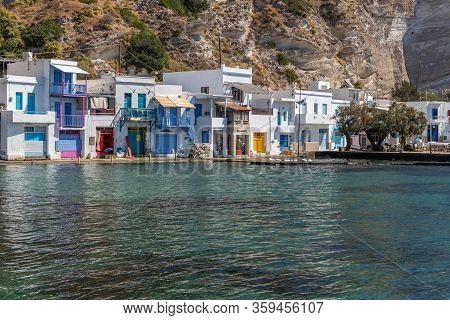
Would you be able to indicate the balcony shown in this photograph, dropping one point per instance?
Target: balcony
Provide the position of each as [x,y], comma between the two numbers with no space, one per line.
[175,122]
[71,121]
[210,122]
[287,127]
[316,119]
[133,114]
[102,112]
[36,117]
[69,89]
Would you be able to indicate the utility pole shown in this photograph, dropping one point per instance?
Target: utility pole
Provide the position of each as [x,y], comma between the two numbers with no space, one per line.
[120,57]
[220,50]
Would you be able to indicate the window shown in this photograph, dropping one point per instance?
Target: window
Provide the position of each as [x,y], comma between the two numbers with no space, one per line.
[35,134]
[57,77]
[205,136]
[434,114]
[207,113]
[324,109]
[279,118]
[356,96]
[284,116]
[304,109]
[316,108]
[19,100]
[31,107]
[238,95]
[204,90]
[127,101]
[141,100]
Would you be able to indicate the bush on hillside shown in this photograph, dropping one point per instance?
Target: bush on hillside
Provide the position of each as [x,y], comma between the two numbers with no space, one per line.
[291,76]
[37,34]
[282,59]
[11,43]
[146,51]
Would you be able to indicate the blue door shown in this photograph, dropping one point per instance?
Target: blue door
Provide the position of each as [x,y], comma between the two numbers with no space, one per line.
[68,119]
[141,101]
[19,100]
[323,139]
[433,133]
[69,144]
[205,136]
[127,101]
[198,111]
[57,77]
[284,142]
[68,83]
[166,144]
[31,104]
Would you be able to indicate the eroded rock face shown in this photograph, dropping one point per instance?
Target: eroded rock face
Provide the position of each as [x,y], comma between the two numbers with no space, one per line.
[427,45]
[339,39]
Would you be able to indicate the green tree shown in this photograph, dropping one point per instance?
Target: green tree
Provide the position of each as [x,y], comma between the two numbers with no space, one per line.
[37,34]
[406,121]
[146,51]
[405,91]
[11,43]
[291,76]
[376,124]
[52,50]
[282,59]
[349,120]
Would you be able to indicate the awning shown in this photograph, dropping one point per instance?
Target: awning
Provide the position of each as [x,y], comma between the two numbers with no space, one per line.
[69,69]
[173,102]
[249,88]
[234,106]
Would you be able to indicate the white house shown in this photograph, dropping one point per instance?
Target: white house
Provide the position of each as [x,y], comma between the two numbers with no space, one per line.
[438,116]
[57,90]
[223,100]
[305,121]
[27,122]
[44,109]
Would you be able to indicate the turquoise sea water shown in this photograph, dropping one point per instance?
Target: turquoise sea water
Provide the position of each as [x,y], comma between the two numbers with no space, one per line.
[224,231]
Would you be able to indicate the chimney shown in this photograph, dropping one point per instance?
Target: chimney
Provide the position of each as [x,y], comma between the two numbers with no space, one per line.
[27,56]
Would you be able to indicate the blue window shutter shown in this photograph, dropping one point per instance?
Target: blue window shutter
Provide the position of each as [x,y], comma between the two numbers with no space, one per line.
[31,103]
[141,101]
[127,101]
[57,77]
[19,100]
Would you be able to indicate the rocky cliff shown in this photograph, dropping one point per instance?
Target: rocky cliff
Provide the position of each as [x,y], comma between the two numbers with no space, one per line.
[331,39]
[427,45]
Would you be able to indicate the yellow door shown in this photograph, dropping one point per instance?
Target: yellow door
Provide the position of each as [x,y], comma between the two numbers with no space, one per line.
[259,145]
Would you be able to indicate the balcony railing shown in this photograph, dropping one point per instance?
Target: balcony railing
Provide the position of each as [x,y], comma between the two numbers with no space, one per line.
[133,114]
[174,122]
[69,89]
[72,121]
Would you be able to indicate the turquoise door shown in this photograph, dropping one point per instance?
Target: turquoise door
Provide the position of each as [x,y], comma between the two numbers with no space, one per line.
[136,137]
[141,101]
[323,139]
[127,101]
[31,104]
[19,100]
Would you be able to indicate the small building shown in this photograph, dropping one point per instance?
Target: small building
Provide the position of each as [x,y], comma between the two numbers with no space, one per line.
[44,106]
[305,121]
[438,117]
[135,115]
[223,101]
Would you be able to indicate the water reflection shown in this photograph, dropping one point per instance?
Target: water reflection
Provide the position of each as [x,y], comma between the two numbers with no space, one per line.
[219,231]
